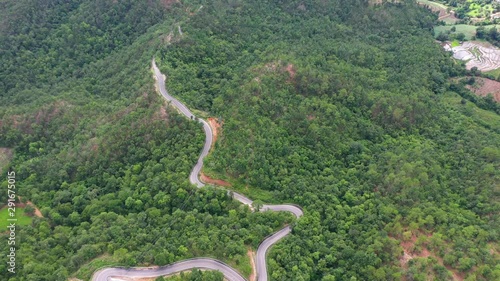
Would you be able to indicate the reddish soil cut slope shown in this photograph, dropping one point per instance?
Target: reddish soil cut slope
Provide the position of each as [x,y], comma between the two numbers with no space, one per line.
[216,128]
[210,180]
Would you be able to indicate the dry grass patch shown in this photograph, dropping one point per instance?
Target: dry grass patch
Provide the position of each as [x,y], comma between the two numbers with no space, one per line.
[5,157]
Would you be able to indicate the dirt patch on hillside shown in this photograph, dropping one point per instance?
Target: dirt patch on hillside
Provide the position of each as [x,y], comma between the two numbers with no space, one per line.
[37,211]
[46,115]
[210,180]
[291,70]
[277,66]
[410,253]
[42,116]
[23,205]
[161,114]
[484,86]
[216,128]
[251,255]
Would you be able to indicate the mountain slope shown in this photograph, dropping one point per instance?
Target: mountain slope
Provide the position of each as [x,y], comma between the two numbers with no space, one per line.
[345,108]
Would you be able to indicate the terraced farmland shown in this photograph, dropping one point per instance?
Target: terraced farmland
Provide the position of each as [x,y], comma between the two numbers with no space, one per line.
[484,57]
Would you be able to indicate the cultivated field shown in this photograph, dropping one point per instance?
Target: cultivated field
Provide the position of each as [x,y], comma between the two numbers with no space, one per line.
[477,54]
[447,16]
[468,30]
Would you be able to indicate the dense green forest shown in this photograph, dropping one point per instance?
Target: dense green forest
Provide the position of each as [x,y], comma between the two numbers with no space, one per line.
[101,156]
[348,109]
[490,35]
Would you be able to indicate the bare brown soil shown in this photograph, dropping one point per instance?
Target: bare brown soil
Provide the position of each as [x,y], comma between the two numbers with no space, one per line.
[216,131]
[484,86]
[23,205]
[251,255]
[210,180]
[161,114]
[278,66]
[37,211]
[216,128]
[291,70]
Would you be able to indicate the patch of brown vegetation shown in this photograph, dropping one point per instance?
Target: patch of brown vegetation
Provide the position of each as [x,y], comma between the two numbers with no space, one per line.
[291,70]
[409,253]
[167,39]
[207,179]
[17,121]
[161,114]
[5,157]
[124,112]
[168,3]
[41,117]
[251,255]
[272,66]
[94,144]
[494,249]
[484,86]
[277,66]
[45,116]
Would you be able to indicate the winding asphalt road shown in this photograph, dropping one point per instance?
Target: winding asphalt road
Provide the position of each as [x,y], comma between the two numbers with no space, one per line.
[203,263]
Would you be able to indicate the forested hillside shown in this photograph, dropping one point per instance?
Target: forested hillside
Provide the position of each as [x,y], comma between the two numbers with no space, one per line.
[348,109]
[99,153]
